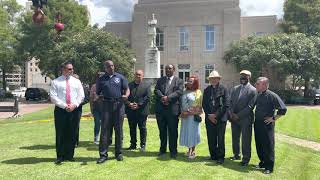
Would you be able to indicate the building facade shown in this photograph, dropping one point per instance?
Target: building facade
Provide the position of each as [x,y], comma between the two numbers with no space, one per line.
[192,34]
[34,77]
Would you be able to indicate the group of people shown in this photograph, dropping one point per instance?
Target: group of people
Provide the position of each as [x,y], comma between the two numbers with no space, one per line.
[112,96]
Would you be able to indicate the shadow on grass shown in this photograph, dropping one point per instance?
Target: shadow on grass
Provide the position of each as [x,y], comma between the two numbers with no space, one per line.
[35,160]
[86,144]
[38,147]
[232,165]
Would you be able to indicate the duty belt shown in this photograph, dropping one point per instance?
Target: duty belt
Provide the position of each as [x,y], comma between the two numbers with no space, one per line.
[110,99]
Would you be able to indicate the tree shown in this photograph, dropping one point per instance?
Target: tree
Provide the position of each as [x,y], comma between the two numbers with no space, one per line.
[87,47]
[88,50]
[8,36]
[286,54]
[302,16]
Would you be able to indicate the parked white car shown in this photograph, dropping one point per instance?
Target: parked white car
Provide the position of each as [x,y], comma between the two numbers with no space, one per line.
[18,92]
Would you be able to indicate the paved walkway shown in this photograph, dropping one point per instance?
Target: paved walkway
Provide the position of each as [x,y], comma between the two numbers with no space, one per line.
[299,142]
[24,108]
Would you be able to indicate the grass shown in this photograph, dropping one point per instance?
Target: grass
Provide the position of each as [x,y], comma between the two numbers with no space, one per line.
[28,152]
[301,123]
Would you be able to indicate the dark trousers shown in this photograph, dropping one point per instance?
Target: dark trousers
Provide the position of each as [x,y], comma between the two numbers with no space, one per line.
[264,136]
[242,129]
[65,126]
[77,119]
[215,135]
[112,117]
[168,125]
[134,119]
[97,122]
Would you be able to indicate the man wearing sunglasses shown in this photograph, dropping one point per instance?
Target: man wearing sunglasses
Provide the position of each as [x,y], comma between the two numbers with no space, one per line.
[66,92]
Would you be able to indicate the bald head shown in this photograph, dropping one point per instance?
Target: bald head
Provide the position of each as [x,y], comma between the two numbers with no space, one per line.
[138,76]
[109,67]
[262,84]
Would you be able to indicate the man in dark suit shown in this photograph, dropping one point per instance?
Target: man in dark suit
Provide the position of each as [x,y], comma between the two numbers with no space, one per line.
[216,101]
[241,116]
[168,91]
[79,109]
[137,109]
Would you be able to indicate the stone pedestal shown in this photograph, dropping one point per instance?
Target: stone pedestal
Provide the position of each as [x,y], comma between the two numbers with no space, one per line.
[152,63]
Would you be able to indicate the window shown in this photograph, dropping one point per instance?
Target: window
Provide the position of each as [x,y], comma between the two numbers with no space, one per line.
[184,71]
[184,39]
[36,69]
[161,70]
[208,69]
[30,64]
[30,69]
[160,39]
[210,32]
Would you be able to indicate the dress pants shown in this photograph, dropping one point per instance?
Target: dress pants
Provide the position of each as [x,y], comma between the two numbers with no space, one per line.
[112,117]
[134,119]
[77,119]
[242,129]
[168,125]
[65,126]
[264,137]
[216,139]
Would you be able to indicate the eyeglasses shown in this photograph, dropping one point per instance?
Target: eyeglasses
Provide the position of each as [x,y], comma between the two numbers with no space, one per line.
[70,69]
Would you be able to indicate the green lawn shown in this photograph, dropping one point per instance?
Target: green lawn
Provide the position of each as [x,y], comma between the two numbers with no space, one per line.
[301,123]
[28,152]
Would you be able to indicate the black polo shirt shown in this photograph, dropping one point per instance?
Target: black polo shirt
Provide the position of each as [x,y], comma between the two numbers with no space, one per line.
[113,86]
[266,104]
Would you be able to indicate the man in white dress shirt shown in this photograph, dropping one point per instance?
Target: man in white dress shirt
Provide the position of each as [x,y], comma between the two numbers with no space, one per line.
[66,92]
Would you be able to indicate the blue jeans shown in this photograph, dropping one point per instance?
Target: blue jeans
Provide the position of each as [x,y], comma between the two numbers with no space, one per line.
[97,122]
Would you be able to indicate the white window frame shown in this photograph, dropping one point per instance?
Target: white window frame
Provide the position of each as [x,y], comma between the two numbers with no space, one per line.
[183,43]
[209,68]
[210,33]
[160,36]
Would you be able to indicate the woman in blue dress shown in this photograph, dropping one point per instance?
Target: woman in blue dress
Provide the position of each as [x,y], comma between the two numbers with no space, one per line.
[191,101]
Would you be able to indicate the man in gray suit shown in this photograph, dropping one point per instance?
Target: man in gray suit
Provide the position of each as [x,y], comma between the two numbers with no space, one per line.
[168,91]
[241,116]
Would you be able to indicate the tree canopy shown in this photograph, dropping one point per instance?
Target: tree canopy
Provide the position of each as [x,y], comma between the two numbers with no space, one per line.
[79,43]
[8,36]
[295,55]
[302,16]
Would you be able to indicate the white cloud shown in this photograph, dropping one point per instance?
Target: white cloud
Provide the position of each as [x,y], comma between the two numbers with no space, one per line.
[262,7]
[103,11]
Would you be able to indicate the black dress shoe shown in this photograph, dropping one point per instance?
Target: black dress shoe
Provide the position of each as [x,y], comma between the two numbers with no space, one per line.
[119,157]
[143,149]
[220,161]
[102,160]
[131,148]
[244,163]
[235,157]
[58,161]
[259,166]
[173,156]
[161,153]
[267,171]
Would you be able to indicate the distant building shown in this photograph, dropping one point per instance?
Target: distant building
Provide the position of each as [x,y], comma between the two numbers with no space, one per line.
[33,76]
[192,34]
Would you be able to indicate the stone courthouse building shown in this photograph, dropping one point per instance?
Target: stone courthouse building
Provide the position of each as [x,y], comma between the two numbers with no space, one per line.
[192,34]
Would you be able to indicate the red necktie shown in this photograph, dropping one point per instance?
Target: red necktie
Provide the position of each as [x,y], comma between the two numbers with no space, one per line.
[68,96]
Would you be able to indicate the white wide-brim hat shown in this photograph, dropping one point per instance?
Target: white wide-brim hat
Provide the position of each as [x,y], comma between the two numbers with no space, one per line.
[214,74]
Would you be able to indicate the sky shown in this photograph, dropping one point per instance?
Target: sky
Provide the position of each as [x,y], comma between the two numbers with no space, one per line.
[103,11]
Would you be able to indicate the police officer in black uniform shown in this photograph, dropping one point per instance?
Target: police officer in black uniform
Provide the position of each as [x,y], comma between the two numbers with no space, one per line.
[216,101]
[266,104]
[137,109]
[114,88]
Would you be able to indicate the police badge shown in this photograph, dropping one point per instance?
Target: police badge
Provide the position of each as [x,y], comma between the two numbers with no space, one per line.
[117,80]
